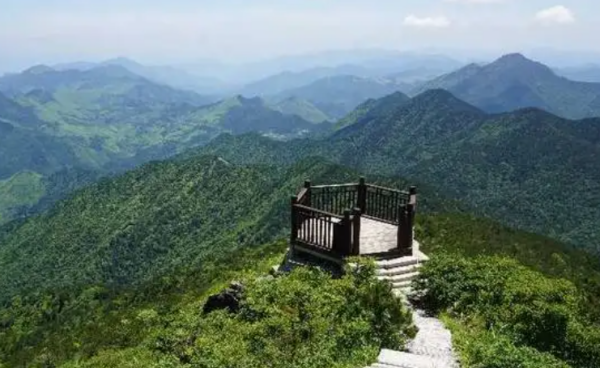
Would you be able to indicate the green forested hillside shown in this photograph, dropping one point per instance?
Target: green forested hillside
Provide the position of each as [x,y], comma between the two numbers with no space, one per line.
[529,169]
[302,108]
[107,118]
[117,274]
[155,230]
[511,299]
[514,82]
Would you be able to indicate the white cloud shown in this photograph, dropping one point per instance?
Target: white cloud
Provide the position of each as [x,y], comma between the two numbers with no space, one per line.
[426,22]
[555,15]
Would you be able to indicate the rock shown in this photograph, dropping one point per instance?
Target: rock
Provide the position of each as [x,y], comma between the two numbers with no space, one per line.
[229,299]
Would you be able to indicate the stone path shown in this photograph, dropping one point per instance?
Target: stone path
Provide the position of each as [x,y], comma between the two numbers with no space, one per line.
[432,347]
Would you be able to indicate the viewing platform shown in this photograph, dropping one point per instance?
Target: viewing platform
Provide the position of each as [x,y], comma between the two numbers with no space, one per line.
[337,221]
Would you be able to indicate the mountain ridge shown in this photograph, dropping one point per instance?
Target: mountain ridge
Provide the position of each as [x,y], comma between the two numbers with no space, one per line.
[514,81]
[483,159]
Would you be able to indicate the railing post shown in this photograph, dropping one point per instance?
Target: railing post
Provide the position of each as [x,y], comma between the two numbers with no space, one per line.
[308,193]
[362,195]
[410,217]
[405,230]
[347,231]
[356,232]
[412,199]
[294,220]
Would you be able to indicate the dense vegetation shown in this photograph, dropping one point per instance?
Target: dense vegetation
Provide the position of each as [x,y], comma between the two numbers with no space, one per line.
[512,299]
[514,82]
[117,273]
[528,169]
[106,118]
[301,108]
[151,230]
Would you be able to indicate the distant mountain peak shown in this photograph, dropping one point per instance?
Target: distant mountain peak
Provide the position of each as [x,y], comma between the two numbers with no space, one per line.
[435,98]
[122,61]
[522,63]
[512,57]
[39,69]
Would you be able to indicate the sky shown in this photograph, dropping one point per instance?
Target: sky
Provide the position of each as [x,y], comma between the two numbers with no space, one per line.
[173,31]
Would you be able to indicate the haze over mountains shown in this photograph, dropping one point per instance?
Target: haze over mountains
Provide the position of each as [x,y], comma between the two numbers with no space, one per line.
[117,114]
[127,192]
[514,82]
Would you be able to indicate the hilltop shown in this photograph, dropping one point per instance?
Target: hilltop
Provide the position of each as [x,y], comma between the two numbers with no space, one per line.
[514,82]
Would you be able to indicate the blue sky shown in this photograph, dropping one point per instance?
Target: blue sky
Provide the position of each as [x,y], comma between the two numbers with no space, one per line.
[36,31]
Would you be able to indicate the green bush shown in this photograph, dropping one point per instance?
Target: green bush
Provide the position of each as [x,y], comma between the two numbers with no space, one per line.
[304,319]
[515,302]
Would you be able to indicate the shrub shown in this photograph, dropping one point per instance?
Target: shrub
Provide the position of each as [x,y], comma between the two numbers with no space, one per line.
[303,319]
[513,301]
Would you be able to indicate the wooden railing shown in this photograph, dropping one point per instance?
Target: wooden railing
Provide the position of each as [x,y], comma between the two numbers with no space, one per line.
[322,219]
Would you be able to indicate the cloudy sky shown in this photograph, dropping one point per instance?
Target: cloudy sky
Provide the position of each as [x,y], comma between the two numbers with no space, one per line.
[43,31]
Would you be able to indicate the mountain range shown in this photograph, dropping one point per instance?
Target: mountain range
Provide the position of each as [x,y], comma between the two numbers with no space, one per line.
[127,203]
[339,95]
[513,82]
[515,166]
[107,118]
[168,75]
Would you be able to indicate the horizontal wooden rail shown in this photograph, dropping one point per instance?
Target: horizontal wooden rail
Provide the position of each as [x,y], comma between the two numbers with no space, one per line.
[318,212]
[327,218]
[388,189]
[334,186]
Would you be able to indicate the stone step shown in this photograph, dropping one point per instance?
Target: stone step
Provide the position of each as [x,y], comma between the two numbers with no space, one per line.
[401,286]
[399,270]
[398,359]
[400,262]
[396,279]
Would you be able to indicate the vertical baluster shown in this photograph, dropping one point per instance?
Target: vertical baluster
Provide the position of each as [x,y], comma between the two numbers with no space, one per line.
[322,239]
[378,196]
[386,206]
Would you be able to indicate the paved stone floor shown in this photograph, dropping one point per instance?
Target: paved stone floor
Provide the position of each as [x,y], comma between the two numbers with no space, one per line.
[377,237]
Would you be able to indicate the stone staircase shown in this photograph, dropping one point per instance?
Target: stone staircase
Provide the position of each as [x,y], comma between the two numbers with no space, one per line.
[400,271]
[432,347]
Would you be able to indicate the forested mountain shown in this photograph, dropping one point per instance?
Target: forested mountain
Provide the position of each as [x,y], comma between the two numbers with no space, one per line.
[117,274]
[373,108]
[513,82]
[302,108]
[107,118]
[339,95]
[154,228]
[517,167]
